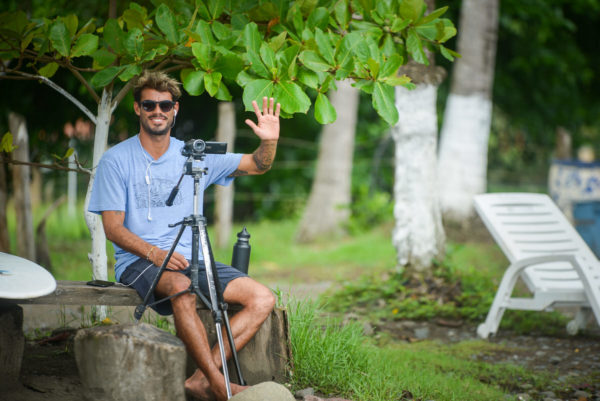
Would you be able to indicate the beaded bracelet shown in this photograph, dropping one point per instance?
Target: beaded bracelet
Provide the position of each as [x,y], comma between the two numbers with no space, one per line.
[150,253]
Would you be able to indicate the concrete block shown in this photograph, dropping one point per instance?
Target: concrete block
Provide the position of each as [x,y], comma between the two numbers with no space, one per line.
[130,362]
[267,391]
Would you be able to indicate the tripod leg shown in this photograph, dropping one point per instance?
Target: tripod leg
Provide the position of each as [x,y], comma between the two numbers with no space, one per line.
[218,307]
[139,310]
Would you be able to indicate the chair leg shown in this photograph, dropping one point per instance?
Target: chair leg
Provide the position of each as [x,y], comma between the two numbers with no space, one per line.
[579,322]
[494,316]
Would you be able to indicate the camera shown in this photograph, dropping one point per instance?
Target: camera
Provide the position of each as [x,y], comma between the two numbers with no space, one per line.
[197,148]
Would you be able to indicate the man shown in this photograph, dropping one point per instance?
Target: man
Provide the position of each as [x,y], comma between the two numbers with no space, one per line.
[133,181]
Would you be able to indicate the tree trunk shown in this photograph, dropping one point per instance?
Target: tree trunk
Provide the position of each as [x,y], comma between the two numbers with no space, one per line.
[224,195]
[4,237]
[94,222]
[327,209]
[21,184]
[467,118]
[72,182]
[418,233]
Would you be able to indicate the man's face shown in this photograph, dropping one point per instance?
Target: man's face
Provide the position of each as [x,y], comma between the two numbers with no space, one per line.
[156,121]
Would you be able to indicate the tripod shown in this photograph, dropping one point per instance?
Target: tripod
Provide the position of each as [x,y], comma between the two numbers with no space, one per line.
[197,222]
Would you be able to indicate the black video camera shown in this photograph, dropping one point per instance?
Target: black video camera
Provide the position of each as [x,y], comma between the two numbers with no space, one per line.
[197,148]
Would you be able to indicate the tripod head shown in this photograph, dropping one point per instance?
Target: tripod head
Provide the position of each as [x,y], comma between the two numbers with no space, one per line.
[198,149]
[195,149]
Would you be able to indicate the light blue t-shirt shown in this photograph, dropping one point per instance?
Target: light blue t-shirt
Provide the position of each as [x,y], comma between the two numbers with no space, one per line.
[128,179]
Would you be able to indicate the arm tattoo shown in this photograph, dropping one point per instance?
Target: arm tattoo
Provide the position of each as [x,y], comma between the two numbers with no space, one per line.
[264,155]
[238,173]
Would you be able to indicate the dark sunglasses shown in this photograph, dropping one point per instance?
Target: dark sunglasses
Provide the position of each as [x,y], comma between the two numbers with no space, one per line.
[150,105]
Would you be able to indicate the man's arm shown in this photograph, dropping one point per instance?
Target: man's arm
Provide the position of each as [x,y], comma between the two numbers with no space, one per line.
[117,233]
[267,130]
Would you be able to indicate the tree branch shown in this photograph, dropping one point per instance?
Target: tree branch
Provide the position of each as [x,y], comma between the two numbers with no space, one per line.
[53,166]
[60,90]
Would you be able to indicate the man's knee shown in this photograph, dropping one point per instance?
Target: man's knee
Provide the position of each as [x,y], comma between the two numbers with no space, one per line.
[263,300]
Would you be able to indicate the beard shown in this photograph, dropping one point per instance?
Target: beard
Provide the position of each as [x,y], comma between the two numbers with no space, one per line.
[145,122]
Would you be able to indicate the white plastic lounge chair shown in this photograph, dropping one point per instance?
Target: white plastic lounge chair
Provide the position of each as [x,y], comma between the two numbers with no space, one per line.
[546,252]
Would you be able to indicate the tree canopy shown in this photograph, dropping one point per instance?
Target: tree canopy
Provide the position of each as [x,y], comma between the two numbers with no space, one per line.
[292,50]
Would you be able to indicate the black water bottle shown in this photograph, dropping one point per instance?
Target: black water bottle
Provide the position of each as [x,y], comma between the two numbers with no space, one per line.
[241,252]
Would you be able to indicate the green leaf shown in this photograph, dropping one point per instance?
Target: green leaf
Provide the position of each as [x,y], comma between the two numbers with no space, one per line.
[7,143]
[130,71]
[60,38]
[215,7]
[244,79]
[267,55]
[445,29]
[324,111]
[415,47]
[252,38]
[104,77]
[313,61]
[134,19]
[165,19]
[114,36]
[389,47]
[383,102]
[309,78]
[212,82]
[325,46]
[68,153]
[373,67]
[230,66]
[203,29]
[193,82]
[397,80]
[411,9]
[278,41]
[48,70]
[399,24]
[319,18]
[103,58]
[256,90]
[292,97]
[342,13]
[134,43]
[71,22]
[391,65]
[223,93]
[431,16]
[202,53]
[85,45]
[448,53]
[221,31]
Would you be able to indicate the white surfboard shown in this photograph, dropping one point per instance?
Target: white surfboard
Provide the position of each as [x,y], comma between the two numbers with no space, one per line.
[22,279]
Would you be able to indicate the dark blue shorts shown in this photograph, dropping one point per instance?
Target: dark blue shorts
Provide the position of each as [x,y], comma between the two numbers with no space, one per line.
[141,273]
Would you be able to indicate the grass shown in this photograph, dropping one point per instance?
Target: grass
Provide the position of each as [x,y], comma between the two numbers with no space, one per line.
[338,359]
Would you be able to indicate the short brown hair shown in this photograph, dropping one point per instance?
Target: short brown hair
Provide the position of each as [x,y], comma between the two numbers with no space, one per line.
[158,81]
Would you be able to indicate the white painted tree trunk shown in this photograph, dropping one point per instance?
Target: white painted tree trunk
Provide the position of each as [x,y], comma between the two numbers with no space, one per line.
[94,222]
[21,183]
[418,234]
[224,195]
[327,208]
[72,182]
[468,115]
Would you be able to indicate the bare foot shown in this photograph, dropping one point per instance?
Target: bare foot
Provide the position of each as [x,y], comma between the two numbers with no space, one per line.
[198,387]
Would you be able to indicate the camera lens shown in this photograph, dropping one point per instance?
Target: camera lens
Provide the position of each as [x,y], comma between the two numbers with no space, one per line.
[198,145]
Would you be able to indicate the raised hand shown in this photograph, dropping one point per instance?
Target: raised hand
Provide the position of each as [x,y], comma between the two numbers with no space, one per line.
[268,121]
